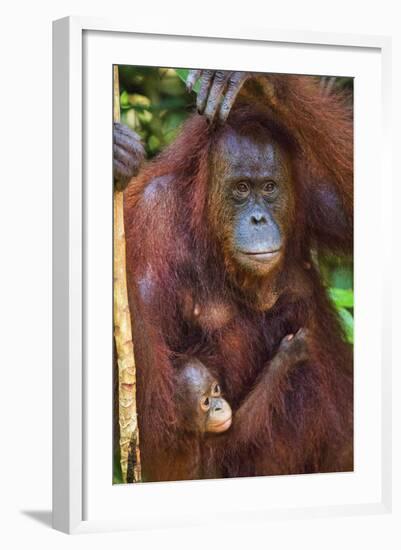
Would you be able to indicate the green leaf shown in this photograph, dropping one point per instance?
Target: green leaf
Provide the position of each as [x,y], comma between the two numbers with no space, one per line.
[341,277]
[154,143]
[347,322]
[172,121]
[183,74]
[342,297]
[124,99]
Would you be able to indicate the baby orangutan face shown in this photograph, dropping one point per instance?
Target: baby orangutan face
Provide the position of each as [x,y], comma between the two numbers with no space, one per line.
[199,399]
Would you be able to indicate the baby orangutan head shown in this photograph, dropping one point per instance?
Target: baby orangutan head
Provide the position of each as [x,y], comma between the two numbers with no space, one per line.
[199,399]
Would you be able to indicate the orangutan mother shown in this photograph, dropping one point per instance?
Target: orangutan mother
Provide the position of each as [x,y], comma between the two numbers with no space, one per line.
[220,229]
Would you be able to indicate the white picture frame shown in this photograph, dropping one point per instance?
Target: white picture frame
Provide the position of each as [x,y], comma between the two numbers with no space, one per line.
[79,483]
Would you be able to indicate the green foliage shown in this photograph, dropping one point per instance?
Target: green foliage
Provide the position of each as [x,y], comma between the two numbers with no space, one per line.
[117,474]
[154,102]
[339,277]
[183,74]
[347,322]
[342,297]
[344,303]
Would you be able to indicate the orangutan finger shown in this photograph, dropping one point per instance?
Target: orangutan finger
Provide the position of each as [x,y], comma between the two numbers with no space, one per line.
[235,83]
[192,77]
[129,160]
[131,144]
[206,80]
[121,175]
[213,101]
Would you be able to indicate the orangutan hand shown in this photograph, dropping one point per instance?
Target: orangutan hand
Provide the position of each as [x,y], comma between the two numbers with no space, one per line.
[128,155]
[295,346]
[218,91]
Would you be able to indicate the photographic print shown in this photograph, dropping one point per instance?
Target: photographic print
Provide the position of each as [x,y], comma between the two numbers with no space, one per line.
[233,274]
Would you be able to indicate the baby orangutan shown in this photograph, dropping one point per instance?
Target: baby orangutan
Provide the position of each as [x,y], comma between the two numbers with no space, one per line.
[201,410]
[199,400]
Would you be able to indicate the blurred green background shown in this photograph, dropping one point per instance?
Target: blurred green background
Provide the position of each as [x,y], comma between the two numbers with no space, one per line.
[154,102]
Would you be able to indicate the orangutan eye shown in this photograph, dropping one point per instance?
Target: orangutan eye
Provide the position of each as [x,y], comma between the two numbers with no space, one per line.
[269,187]
[216,390]
[205,403]
[241,190]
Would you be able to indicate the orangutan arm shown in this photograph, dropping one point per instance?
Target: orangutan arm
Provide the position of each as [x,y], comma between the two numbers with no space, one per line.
[253,420]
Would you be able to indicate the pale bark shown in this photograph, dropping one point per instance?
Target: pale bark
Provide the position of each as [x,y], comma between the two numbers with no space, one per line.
[129,433]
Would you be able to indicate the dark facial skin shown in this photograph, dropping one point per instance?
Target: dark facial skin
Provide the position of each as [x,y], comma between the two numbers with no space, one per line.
[252,176]
[199,398]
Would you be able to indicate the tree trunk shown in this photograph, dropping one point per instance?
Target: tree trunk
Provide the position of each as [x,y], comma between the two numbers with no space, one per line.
[129,434]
